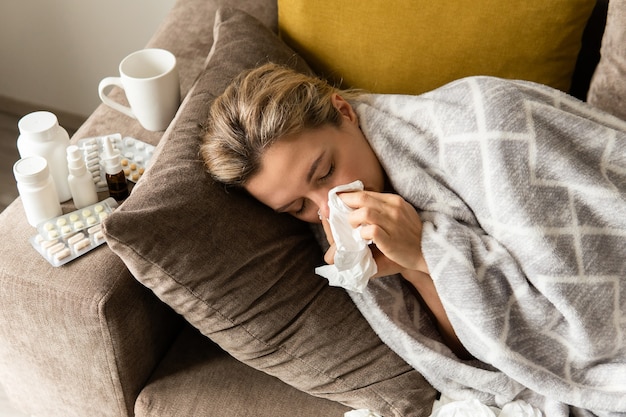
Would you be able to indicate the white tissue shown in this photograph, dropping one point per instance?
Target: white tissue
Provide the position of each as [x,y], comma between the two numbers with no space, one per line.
[354,262]
[474,408]
[520,408]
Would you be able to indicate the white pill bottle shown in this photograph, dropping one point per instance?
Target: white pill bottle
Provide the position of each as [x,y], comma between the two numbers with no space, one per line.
[41,135]
[37,189]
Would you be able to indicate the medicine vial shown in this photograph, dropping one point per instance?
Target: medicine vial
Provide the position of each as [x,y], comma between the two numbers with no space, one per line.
[41,135]
[37,189]
[79,179]
[115,177]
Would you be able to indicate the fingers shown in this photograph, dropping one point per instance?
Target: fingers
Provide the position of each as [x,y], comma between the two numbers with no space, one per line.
[374,233]
[327,231]
[377,213]
[371,199]
[329,256]
[391,223]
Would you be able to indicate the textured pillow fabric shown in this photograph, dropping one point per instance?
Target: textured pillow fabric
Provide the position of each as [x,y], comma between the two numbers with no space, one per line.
[240,273]
[608,85]
[410,47]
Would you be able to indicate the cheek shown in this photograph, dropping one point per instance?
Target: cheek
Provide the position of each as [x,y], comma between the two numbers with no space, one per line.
[361,167]
[371,171]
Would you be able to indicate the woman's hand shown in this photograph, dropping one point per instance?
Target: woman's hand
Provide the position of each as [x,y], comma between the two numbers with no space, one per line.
[384,266]
[396,230]
[393,225]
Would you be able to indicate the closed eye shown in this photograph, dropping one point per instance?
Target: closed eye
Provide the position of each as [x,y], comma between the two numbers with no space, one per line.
[328,174]
[302,208]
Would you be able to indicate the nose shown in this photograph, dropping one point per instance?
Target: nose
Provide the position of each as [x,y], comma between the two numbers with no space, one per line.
[320,199]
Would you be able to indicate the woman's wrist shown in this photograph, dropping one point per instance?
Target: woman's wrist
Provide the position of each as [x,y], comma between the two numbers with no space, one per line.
[422,266]
[419,279]
[417,269]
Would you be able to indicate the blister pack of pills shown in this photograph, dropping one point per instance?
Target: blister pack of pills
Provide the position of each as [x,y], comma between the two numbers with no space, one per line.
[65,238]
[135,154]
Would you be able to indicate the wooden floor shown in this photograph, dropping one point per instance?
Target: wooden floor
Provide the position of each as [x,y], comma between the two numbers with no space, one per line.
[9,155]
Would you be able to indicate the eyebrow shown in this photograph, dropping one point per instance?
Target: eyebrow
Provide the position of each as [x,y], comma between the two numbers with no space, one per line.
[309,177]
[314,166]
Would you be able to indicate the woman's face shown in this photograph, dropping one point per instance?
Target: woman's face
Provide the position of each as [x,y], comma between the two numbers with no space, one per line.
[298,171]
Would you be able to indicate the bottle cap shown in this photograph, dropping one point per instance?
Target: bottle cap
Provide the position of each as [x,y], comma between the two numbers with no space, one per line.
[38,125]
[75,161]
[31,170]
[110,158]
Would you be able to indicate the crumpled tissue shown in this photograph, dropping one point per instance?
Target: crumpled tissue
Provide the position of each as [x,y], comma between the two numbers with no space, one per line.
[354,262]
[474,408]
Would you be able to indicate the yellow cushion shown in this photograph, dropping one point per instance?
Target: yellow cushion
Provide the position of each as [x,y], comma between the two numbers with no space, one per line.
[412,46]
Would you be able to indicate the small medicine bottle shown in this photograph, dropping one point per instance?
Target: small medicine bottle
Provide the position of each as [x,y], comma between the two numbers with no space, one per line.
[80,180]
[37,189]
[116,179]
[41,135]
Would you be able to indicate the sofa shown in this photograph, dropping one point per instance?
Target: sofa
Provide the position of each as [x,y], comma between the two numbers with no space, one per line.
[203,302]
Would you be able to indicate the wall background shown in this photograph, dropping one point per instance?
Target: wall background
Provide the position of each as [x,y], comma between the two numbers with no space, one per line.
[54,53]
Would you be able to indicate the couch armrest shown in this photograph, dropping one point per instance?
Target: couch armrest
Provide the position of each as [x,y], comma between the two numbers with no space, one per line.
[82,339]
[78,340]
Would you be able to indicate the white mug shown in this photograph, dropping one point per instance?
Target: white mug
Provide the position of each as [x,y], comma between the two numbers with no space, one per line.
[149,78]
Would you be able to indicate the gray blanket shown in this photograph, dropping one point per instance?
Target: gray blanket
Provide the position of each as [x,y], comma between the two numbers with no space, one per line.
[522,190]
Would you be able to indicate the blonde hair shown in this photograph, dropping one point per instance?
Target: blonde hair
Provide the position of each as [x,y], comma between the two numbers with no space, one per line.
[259,107]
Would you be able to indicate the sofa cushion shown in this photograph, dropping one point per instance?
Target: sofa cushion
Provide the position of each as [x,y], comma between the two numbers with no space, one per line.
[240,273]
[196,378]
[415,46]
[608,85]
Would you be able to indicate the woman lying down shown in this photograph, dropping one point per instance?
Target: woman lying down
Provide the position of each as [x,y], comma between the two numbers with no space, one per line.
[502,205]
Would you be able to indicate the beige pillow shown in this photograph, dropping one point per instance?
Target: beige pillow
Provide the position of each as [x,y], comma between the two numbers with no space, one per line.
[240,273]
[608,85]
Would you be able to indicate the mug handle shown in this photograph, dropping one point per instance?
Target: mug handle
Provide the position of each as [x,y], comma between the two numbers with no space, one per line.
[117,82]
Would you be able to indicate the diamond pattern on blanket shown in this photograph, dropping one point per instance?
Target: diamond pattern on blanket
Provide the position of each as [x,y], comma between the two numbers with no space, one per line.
[572,157]
[522,191]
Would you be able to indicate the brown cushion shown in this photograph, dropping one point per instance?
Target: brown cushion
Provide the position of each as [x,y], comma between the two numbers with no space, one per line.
[196,378]
[243,275]
[608,85]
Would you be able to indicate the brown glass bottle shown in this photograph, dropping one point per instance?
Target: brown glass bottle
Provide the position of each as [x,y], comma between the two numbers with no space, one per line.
[116,180]
[118,187]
